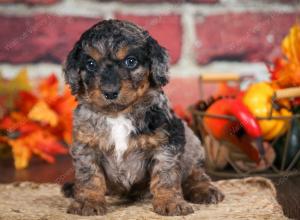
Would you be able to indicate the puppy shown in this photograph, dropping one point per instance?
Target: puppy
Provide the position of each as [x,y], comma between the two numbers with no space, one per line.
[126,139]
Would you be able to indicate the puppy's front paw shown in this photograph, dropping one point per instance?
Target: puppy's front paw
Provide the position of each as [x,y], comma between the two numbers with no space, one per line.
[87,208]
[212,196]
[172,207]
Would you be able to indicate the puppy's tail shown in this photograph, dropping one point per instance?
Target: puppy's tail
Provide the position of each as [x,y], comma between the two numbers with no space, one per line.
[68,190]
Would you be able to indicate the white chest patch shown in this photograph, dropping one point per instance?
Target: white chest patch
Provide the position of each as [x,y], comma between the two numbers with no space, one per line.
[121,128]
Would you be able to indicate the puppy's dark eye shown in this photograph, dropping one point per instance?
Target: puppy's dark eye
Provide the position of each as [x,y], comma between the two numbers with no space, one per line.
[91,65]
[131,62]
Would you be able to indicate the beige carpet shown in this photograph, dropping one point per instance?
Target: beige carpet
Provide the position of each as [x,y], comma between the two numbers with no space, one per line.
[251,198]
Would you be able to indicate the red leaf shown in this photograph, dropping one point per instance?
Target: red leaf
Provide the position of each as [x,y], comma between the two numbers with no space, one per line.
[25,101]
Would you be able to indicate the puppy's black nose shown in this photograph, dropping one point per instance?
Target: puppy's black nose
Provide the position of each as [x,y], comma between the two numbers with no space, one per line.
[111,95]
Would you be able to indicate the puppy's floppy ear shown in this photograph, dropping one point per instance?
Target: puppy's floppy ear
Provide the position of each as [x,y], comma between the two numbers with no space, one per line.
[159,63]
[71,69]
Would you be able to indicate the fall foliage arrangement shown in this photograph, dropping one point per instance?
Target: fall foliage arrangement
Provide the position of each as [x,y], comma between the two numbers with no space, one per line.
[35,119]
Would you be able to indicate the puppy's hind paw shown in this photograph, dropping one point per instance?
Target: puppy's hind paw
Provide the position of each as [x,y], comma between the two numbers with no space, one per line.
[171,208]
[87,208]
[212,196]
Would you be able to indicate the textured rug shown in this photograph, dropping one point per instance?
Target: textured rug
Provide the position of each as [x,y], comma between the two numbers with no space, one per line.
[250,198]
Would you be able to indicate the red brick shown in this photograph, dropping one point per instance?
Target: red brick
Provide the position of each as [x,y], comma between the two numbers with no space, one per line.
[40,37]
[152,1]
[183,91]
[30,2]
[204,1]
[171,1]
[296,2]
[166,29]
[242,36]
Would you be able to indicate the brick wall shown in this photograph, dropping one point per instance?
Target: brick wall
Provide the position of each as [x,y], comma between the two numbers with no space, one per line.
[200,35]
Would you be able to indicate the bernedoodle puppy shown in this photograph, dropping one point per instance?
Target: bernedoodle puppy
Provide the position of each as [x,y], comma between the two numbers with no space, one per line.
[126,139]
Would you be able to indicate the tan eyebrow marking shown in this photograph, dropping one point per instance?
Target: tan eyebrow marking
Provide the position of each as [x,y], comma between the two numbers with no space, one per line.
[122,52]
[94,53]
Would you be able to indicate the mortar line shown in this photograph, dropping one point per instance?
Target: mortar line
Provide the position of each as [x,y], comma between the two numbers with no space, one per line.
[189,39]
[90,8]
[43,69]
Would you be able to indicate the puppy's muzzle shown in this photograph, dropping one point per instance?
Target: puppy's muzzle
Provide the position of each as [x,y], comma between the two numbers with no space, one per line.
[110,84]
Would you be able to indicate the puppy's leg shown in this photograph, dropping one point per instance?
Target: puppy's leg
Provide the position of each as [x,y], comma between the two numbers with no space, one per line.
[90,186]
[166,186]
[198,188]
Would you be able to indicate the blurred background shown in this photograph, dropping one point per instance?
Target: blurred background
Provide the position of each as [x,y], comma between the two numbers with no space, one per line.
[226,38]
[200,35]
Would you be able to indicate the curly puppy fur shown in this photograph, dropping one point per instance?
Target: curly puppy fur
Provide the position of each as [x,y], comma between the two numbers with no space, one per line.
[126,140]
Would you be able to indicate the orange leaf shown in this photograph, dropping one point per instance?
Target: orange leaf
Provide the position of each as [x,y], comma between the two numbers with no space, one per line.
[42,113]
[64,128]
[64,107]
[47,145]
[47,157]
[65,103]
[51,146]
[278,65]
[40,142]
[48,88]
[13,121]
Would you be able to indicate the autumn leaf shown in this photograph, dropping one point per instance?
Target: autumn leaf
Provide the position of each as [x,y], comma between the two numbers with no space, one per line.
[42,113]
[291,45]
[48,88]
[20,82]
[3,109]
[286,71]
[46,145]
[64,103]
[40,142]
[51,146]
[64,107]
[13,121]
[277,67]
[25,101]
[21,153]
[10,88]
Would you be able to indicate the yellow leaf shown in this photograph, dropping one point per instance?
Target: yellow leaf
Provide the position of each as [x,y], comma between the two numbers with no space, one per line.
[21,154]
[20,82]
[43,113]
[291,44]
[10,88]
